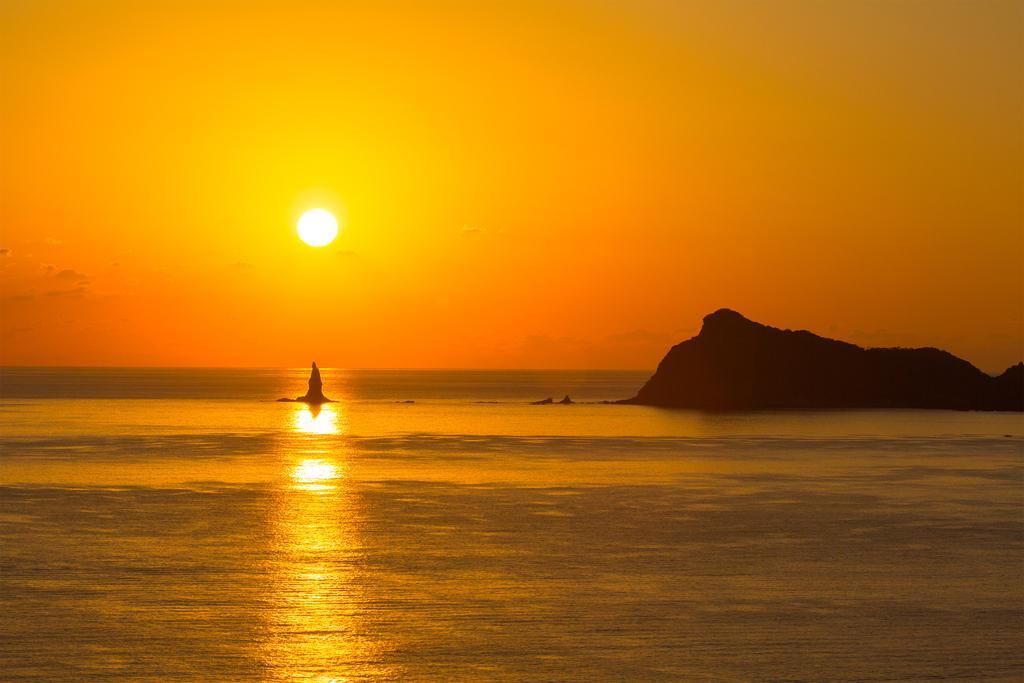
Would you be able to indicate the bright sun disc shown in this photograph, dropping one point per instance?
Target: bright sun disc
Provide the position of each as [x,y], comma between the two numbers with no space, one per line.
[317,227]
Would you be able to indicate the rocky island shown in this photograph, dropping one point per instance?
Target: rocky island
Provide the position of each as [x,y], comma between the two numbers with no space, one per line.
[566,401]
[314,393]
[737,364]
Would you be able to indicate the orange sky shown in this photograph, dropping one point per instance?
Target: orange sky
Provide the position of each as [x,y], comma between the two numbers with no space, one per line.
[551,183]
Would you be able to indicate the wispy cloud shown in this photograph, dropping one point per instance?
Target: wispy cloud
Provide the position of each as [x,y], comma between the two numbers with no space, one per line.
[69,275]
[75,291]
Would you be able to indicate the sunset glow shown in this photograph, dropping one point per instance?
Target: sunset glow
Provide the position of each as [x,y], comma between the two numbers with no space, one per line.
[544,340]
[576,193]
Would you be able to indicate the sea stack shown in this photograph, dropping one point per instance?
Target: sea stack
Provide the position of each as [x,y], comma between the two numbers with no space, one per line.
[315,393]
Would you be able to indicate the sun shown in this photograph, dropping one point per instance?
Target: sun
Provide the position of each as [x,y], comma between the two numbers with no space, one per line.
[317,227]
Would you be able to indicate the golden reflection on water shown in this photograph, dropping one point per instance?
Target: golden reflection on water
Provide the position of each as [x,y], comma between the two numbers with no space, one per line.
[317,419]
[316,629]
[316,474]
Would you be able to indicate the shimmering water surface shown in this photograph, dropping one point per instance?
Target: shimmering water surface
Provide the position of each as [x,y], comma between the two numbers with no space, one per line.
[161,524]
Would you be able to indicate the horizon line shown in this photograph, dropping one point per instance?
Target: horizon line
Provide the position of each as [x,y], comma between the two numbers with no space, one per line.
[306,367]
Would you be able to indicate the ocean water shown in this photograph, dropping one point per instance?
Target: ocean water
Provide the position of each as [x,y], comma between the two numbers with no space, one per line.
[178,524]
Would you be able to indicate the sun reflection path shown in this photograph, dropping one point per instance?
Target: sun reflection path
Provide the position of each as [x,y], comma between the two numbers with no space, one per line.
[314,627]
[317,598]
[317,420]
[316,474]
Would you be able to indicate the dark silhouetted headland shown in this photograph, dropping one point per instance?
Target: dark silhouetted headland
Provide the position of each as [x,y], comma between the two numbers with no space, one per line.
[737,364]
[315,392]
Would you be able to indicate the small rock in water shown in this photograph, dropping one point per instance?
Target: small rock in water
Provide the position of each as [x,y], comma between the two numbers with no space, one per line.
[566,401]
[314,394]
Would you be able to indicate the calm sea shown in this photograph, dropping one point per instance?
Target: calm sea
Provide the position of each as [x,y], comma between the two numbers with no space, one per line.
[177,524]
